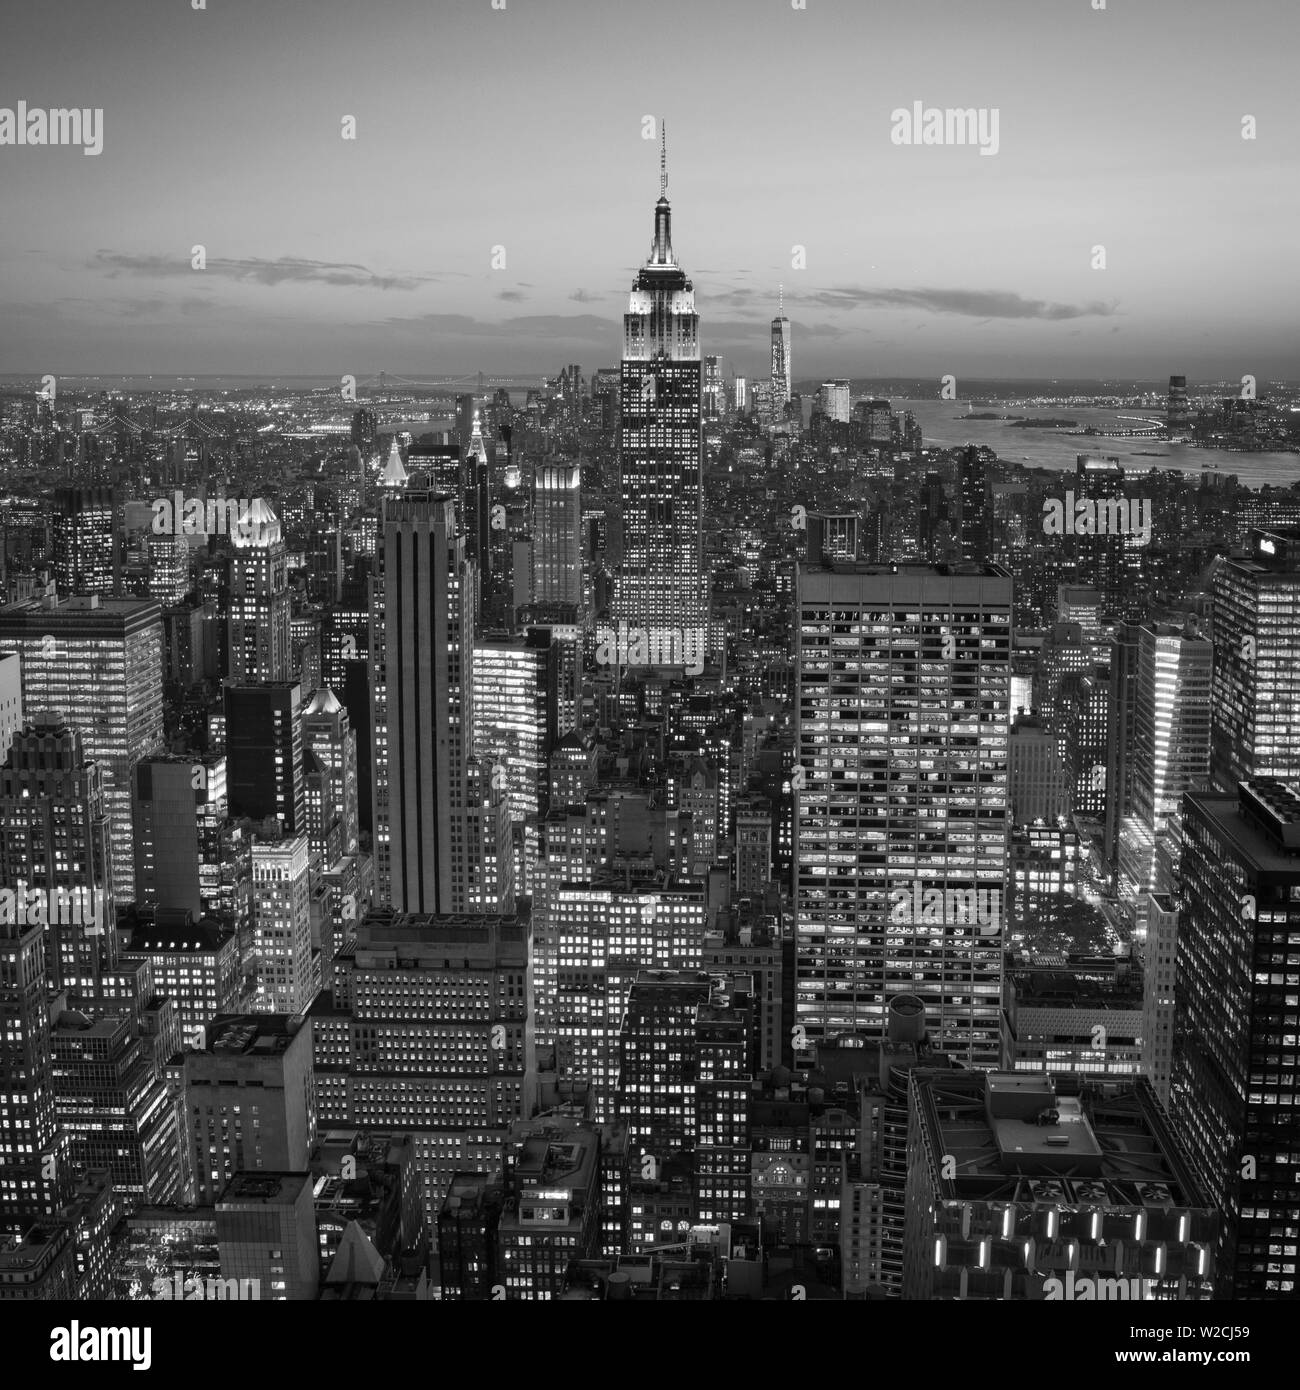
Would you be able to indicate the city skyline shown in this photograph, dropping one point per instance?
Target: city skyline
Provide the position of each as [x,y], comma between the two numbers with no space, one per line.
[557,756]
[918,260]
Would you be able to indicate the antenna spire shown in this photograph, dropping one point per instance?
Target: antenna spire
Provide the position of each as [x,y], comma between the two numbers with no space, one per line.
[780,299]
[663,158]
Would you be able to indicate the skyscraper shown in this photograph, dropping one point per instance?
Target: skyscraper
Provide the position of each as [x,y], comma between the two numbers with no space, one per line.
[96,664]
[1257,661]
[659,586]
[557,534]
[264,761]
[331,745]
[975,505]
[55,852]
[441,828]
[260,646]
[1235,1091]
[1171,747]
[427,1031]
[282,926]
[84,540]
[781,372]
[904,678]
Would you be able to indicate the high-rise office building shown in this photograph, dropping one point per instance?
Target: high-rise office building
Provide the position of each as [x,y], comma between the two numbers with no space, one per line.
[441,828]
[286,982]
[1025,1186]
[174,797]
[250,1101]
[11,700]
[659,588]
[1235,1090]
[330,746]
[260,646]
[552,1209]
[114,1107]
[264,753]
[1109,557]
[1257,661]
[267,1233]
[96,664]
[1171,745]
[35,1175]
[55,853]
[511,678]
[85,540]
[1178,411]
[835,401]
[609,929]
[902,793]
[974,505]
[781,366]
[427,1031]
[557,534]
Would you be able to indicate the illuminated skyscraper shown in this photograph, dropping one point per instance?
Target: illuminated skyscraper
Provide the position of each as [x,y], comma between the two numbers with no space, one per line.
[55,853]
[260,646]
[1256,716]
[782,380]
[332,820]
[441,828]
[35,1176]
[659,586]
[84,540]
[609,929]
[282,926]
[427,1032]
[1179,412]
[96,664]
[1235,1093]
[902,790]
[1171,745]
[557,534]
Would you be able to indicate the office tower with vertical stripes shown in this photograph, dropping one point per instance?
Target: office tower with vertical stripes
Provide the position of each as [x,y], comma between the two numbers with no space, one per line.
[904,676]
[442,829]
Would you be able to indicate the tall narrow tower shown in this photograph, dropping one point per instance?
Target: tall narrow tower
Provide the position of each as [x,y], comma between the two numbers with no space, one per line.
[659,587]
[782,382]
[441,827]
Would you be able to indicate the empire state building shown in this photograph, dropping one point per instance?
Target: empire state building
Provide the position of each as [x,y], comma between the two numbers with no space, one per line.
[659,600]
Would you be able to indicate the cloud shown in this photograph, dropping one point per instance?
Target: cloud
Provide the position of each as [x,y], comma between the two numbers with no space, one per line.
[284,269]
[514,295]
[585,297]
[755,331]
[976,304]
[584,328]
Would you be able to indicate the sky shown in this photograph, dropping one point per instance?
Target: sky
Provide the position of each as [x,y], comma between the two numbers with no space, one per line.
[522,129]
